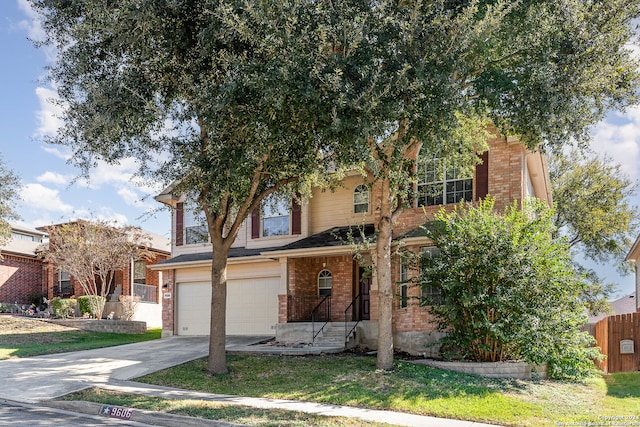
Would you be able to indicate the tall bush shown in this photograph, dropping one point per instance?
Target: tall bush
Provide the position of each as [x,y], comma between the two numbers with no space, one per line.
[506,290]
[64,307]
[91,304]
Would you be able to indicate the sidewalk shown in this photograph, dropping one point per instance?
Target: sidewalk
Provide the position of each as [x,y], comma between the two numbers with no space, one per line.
[395,418]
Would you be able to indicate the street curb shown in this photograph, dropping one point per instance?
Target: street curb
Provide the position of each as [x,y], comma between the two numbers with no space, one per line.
[139,415]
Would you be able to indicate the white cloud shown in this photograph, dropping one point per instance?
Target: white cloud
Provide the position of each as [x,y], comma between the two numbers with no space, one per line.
[32,25]
[57,152]
[130,197]
[106,174]
[49,113]
[44,198]
[54,178]
[619,138]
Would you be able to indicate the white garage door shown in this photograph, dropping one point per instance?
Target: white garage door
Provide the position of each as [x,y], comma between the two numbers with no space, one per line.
[252,307]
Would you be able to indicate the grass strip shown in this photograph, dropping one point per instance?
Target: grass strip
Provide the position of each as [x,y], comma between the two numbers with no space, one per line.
[218,411]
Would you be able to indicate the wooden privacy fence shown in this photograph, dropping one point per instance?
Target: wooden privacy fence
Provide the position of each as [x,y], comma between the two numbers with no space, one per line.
[619,340]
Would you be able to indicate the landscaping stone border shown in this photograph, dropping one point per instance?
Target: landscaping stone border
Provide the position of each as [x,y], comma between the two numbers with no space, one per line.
[94,325]
[519,370]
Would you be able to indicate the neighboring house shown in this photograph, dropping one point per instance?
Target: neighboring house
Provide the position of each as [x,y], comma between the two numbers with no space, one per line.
[21,271]
[633,257]
[624,305]
[286,262]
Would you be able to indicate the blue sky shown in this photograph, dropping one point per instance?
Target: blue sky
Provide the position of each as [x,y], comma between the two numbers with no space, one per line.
[48,194]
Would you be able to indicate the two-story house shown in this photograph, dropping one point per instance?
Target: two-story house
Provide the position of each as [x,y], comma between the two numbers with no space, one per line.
[287,262]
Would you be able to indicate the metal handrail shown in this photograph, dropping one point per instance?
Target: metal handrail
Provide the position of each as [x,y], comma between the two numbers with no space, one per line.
[313,317]
[346,324]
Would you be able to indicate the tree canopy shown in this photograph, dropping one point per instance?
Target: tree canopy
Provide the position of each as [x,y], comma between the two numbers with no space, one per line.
[506,290]
[236,99]
[593,207]
[9,186]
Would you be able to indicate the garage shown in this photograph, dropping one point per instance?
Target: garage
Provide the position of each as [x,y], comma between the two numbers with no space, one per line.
[252,307]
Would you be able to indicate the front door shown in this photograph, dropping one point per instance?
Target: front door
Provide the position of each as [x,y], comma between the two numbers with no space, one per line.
[365,287]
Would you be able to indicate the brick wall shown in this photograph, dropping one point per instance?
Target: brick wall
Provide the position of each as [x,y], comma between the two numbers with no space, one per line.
[506,183]
[303,280]
[20,277]
[168,304]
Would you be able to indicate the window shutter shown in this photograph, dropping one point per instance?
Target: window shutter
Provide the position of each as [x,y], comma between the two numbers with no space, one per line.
[255,224]
[296,217]
[482,177]
[179,224]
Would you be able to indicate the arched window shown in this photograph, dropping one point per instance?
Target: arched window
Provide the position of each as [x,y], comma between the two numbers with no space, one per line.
[361,199]
[324,283]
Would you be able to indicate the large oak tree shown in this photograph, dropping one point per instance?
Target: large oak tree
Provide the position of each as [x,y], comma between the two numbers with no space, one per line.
[240,99]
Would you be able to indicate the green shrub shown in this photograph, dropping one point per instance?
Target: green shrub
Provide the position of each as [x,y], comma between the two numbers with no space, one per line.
[91,304]
[6,308]
[506,289]
[63,307]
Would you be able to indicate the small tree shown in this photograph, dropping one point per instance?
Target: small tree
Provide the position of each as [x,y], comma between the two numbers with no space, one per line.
[506,290]
[92,251]
[9,184]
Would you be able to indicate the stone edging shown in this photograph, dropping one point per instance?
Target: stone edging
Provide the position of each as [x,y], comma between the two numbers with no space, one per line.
[519,370]
[94,325]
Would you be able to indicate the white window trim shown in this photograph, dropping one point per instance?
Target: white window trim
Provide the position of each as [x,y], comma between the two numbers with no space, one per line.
[423,181]
[359,190]
[322,281]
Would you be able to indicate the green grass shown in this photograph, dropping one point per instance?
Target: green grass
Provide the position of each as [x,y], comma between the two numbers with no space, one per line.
[354,381]
[217,411]
[23,337]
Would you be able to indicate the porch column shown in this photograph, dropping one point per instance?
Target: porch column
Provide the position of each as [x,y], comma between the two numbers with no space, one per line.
[283,290]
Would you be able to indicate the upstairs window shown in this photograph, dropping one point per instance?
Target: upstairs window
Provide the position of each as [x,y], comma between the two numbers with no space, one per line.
[439,184]
[275,220]
[361,199]
[195,228]
[325,281]
[278,217]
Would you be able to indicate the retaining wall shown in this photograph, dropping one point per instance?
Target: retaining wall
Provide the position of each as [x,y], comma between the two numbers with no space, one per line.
[520,370]
[115,326]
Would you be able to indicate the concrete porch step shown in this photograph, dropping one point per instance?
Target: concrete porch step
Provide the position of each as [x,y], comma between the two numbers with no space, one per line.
[333,335]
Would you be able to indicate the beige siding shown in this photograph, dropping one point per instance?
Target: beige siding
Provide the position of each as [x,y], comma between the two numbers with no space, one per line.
[328,209]
[237,271]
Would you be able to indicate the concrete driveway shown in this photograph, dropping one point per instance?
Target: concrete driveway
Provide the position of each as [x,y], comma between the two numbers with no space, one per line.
[35,379]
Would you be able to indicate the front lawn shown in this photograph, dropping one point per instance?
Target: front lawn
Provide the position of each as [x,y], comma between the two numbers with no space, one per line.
[25,337]
[354,381]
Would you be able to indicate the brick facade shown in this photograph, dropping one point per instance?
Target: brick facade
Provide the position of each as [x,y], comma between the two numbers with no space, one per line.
[303,280]
[505,182]
[20,277]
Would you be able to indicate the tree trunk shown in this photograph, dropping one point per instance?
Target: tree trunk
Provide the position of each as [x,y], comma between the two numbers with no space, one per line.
[383,277]
[217,363]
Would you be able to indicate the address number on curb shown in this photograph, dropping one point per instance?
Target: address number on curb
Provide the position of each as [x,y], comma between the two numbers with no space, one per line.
[116,412]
